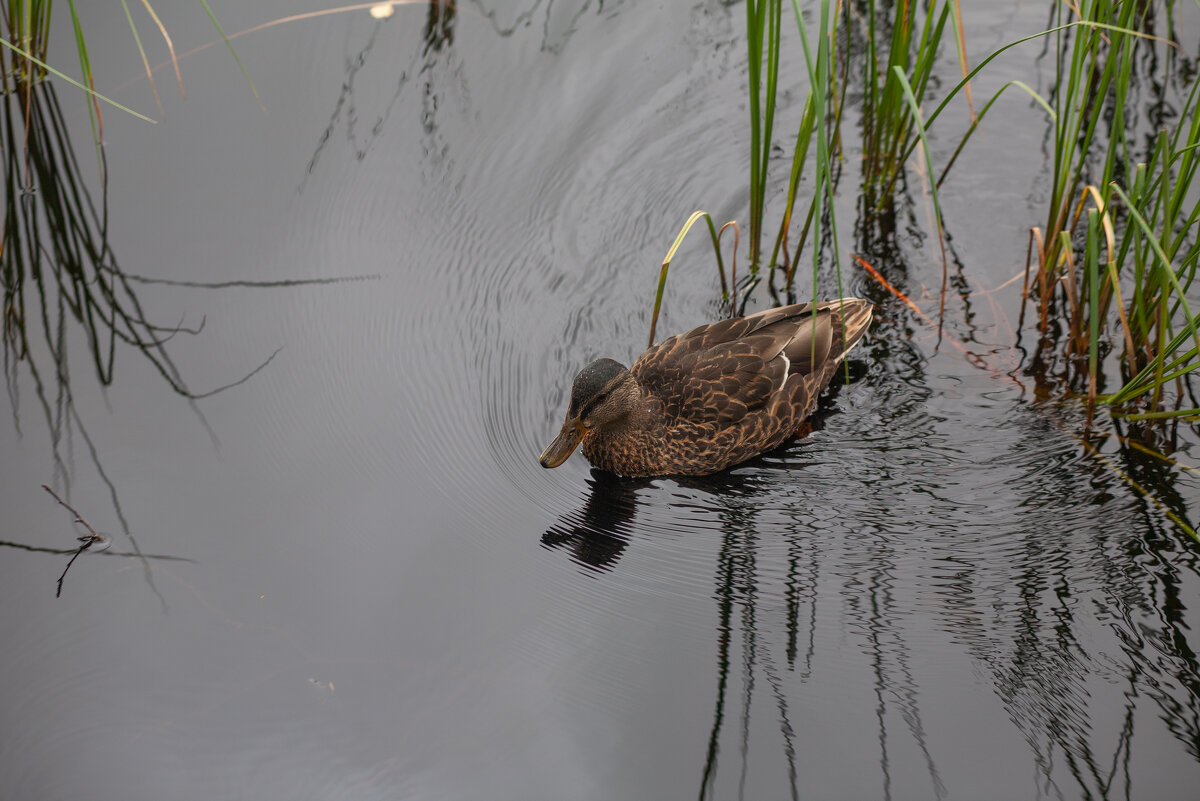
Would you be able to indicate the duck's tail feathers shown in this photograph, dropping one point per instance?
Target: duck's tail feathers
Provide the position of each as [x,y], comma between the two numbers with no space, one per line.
[851,319]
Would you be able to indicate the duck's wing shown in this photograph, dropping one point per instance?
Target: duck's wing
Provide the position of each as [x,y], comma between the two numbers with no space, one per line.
[721,372]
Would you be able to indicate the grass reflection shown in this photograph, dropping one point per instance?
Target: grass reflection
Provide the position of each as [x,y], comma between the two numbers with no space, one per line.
[61,283]
[59,274]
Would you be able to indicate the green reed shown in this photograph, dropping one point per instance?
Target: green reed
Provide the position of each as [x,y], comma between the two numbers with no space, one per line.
[889,126]
[763,24]
[27,23]
[816,132]
[899,54]
[819,130]
[1121,221]
[1118,251]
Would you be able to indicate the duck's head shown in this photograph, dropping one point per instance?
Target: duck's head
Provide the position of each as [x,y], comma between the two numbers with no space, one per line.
[602,396]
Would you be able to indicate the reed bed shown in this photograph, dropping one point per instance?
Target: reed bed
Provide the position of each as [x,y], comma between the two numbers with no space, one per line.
[1118,251]
[816,133]
[897,47]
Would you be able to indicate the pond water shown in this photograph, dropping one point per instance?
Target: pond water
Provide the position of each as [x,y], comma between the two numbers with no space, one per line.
[939,593]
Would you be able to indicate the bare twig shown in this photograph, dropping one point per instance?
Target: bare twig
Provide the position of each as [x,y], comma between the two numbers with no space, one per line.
[164,557]
[93,537]
[92,533]
[87,543]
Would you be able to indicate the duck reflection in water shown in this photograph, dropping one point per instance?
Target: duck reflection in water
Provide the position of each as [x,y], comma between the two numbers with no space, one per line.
[597,534]
[754,648]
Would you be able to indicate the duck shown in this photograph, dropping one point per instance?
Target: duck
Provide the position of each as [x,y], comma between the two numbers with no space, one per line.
[711,398]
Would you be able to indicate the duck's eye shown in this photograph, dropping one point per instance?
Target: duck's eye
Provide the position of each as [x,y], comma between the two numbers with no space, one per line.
[603,396]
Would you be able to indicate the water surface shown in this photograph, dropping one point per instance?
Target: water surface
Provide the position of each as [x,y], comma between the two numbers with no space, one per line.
[939,593]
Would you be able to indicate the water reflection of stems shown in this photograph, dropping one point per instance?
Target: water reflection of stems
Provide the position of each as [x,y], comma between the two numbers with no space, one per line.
[54,240]
[737,585]
[1019,619]
[57,266]
[724,635]
[1176,511]
[439,36]
[55,235]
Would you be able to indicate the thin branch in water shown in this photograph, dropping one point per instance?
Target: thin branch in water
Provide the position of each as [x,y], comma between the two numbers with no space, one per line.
[93,537]
[92,533]
[87,544]
[20,546]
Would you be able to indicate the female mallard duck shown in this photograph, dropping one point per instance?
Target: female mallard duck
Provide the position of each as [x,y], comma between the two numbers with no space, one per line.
[706,400]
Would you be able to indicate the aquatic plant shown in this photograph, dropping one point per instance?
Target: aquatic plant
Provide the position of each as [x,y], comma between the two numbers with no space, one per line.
[817,131]
[819,128]
[763,22]
[889,123]
[57,266]
[1121,220]
[898,54]
[54,236]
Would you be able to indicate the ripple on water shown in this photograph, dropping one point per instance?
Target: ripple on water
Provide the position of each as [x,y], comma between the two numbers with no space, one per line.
[541,305]
[930,500]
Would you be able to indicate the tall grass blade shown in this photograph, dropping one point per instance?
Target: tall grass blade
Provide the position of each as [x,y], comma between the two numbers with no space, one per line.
[72,81]
[762,31]
[919,125]
[820,74]
[662,275]
[1095,308]
[94,115]
[142,52]
[960,39]
[162,29]
[229,44]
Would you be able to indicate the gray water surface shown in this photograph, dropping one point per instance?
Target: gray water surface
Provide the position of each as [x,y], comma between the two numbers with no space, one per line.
[939,593]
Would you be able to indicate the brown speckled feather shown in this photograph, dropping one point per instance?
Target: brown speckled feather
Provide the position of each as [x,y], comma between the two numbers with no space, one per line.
[723,393]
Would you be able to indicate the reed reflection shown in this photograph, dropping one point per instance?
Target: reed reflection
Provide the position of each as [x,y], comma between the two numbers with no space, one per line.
[58,272]
[1060,666]
[60,277]
[766,650]
[438,44]
[1074,612]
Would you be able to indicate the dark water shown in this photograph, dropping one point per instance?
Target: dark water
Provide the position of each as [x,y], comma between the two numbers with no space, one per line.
[940,593]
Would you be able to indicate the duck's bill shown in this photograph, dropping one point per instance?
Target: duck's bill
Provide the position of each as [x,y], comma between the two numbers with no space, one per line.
[563,445]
